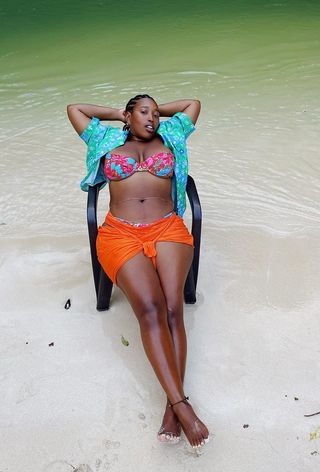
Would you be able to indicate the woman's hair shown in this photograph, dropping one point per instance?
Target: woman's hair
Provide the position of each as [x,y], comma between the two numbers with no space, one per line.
[131,103]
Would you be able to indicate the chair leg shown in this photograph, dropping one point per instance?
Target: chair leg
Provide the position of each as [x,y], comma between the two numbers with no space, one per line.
[104,292]
[189,288]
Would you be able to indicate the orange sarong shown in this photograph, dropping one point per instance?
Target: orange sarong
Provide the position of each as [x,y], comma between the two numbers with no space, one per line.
[117,242]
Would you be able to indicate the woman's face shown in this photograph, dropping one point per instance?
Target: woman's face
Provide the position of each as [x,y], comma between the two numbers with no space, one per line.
[144,119]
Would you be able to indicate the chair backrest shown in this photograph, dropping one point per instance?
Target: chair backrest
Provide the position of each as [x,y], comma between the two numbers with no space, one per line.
[103,284]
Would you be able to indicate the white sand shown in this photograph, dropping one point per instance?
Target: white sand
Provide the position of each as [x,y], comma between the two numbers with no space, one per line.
[91,404]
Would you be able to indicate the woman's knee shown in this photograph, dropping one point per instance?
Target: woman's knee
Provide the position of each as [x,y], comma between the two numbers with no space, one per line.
[175,315]
[152,314]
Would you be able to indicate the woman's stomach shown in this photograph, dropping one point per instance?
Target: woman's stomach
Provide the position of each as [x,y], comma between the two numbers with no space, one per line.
[141,198]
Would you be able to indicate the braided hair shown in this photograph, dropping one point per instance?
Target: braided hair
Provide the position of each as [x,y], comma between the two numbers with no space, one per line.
[131,103]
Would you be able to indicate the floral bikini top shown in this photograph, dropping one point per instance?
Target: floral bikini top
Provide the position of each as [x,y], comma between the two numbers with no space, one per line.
[118,167]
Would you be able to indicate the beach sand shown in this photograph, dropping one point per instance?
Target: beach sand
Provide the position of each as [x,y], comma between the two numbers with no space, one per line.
[74,397]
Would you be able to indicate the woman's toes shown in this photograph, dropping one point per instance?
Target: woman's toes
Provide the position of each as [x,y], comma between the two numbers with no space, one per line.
[192,426]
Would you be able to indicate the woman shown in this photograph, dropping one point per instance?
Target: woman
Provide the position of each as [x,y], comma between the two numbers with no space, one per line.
[143,245]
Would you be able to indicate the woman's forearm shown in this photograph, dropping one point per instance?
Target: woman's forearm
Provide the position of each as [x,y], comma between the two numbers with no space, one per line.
[189,107]
[169,109]
[80,114]
[103,113]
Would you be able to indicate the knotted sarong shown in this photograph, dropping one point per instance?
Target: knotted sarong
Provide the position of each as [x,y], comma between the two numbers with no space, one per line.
[117,241]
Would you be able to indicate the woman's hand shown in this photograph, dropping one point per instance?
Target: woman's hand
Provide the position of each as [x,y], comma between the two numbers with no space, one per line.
[122,117]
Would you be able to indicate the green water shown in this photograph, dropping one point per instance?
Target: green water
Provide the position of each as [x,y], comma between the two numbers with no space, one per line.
[254,65]
[104,41]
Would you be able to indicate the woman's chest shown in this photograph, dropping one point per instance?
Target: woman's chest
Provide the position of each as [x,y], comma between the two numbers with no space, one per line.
[139,151]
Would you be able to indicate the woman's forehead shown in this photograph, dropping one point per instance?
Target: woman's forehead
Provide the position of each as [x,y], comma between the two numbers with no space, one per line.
[147,103]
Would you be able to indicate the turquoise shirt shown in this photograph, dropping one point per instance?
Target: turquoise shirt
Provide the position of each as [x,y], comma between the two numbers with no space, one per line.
[174,133]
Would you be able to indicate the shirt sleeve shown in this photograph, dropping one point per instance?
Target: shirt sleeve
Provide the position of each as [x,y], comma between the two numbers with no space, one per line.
[179,122]
[94,131]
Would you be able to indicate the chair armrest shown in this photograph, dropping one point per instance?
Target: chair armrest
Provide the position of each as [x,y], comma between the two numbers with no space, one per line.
[93,194]
[196,224]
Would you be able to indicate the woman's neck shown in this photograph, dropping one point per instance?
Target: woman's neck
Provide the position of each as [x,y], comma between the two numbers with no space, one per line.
[132,137]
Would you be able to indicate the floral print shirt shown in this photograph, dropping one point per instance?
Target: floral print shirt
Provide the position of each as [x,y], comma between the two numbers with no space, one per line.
[102,139]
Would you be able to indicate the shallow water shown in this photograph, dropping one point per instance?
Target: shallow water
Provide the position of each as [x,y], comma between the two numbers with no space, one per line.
[254,66]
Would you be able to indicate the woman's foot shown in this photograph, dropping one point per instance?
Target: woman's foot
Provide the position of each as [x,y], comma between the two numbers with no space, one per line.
[196,432]
[170,431]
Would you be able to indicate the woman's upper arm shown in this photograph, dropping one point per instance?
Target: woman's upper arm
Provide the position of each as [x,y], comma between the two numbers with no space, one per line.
[193,110]
[78,119]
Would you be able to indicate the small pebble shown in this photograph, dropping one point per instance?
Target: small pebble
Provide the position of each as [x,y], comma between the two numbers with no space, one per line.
[67,304]
[83,468]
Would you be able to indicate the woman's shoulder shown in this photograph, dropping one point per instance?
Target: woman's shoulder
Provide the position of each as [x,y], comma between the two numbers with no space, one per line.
[179,124]
[97,132]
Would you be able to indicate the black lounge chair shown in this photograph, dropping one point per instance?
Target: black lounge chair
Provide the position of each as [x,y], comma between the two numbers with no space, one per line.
[103,284]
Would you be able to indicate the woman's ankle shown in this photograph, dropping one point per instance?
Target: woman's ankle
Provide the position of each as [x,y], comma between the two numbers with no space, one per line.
[182,400]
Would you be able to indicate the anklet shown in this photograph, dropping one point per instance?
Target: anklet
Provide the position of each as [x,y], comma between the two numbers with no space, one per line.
[184,401]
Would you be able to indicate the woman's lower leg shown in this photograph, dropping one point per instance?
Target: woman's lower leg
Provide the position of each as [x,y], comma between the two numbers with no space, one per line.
[170,427]
[159,346]
[149,305]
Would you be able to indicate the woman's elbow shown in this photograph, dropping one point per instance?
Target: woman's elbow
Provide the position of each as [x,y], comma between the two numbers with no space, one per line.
[197,103]
[71,105]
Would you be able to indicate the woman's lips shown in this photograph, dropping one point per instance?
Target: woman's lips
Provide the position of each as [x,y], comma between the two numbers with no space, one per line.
[150,128]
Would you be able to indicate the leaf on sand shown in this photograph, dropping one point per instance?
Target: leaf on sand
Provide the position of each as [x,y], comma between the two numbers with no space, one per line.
[315,434]
[124,341]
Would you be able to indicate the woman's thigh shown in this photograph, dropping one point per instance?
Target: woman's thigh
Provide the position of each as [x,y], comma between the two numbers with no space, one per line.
[140,282]
[173,264]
